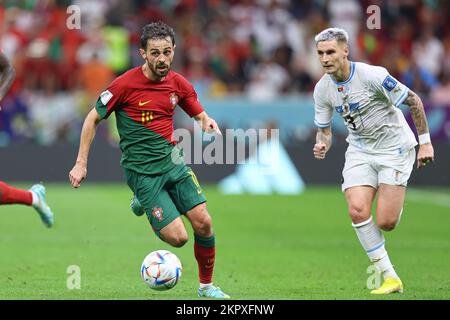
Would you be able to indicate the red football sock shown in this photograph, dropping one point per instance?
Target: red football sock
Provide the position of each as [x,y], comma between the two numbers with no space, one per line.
[205,258]
[10,195]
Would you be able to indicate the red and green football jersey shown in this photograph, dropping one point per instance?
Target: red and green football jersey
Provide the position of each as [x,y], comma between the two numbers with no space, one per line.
[144,112]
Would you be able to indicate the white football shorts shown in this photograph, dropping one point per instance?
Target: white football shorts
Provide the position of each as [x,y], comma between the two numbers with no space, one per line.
[366,169]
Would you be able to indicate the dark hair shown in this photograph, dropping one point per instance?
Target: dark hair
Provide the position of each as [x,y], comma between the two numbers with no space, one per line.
[156,30]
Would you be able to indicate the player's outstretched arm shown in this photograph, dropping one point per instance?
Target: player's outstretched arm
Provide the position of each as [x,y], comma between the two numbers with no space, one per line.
[207,124]
[426,151]
[79,171]
[7,75]
[323,142]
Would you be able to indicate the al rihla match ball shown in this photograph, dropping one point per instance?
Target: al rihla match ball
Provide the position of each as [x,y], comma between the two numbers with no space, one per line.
[161,270]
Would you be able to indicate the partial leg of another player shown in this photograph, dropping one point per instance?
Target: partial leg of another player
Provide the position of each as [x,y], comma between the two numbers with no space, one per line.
[34,197]
[204,250]
[360,199]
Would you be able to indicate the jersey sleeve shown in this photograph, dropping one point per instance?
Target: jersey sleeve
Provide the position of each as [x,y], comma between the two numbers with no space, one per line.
[110,99]
[189,101]
[323,111]
[395,91]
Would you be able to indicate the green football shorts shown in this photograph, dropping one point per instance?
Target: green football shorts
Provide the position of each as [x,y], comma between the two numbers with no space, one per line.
[166,196]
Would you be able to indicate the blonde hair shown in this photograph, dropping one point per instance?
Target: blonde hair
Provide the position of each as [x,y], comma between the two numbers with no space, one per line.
[337,34]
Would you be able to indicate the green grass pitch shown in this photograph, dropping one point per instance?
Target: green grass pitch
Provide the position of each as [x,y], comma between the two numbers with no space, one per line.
[268,247]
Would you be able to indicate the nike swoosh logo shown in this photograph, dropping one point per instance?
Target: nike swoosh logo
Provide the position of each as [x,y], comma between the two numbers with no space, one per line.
[143,103]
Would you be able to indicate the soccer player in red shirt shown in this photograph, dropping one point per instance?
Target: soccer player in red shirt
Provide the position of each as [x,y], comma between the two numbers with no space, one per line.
[8,194]
[144,99]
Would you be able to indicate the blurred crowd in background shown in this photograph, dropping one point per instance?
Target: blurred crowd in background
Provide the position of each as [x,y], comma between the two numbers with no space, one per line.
[259,49]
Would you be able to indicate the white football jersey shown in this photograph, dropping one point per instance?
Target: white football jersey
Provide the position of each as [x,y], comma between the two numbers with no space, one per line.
[368,102]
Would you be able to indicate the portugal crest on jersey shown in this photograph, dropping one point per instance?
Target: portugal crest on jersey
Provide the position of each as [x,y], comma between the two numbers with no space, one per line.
[157,213]
[173,99]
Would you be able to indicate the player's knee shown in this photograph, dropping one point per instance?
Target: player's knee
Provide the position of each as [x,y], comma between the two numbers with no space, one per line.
[357,213]
[177,240]
[387,224]
[176,237]
[204,226]
[201,222]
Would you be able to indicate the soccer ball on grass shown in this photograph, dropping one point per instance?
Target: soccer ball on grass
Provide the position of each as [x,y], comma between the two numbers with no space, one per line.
[161,270]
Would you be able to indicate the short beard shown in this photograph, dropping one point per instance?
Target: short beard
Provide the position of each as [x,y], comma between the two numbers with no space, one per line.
[156,72]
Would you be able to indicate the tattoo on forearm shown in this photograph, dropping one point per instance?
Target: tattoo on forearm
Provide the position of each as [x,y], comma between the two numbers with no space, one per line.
[417,112]
[324,136]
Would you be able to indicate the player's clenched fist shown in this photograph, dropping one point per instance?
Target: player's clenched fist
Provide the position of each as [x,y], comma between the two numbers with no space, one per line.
[77,174]
[319,150]
[210,126]
[207,124]
[425,155]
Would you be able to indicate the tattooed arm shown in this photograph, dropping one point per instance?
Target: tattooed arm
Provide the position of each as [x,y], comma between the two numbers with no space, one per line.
[323,142]
[426,152]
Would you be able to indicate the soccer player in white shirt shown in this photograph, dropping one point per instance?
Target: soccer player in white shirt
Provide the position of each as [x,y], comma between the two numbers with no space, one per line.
[381,151]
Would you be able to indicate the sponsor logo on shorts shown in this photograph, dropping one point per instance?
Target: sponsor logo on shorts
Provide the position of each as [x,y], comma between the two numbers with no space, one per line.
[158,213]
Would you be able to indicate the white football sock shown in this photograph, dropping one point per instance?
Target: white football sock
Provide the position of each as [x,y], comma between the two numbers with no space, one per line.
[35,201]
[204,285]
[372,241]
